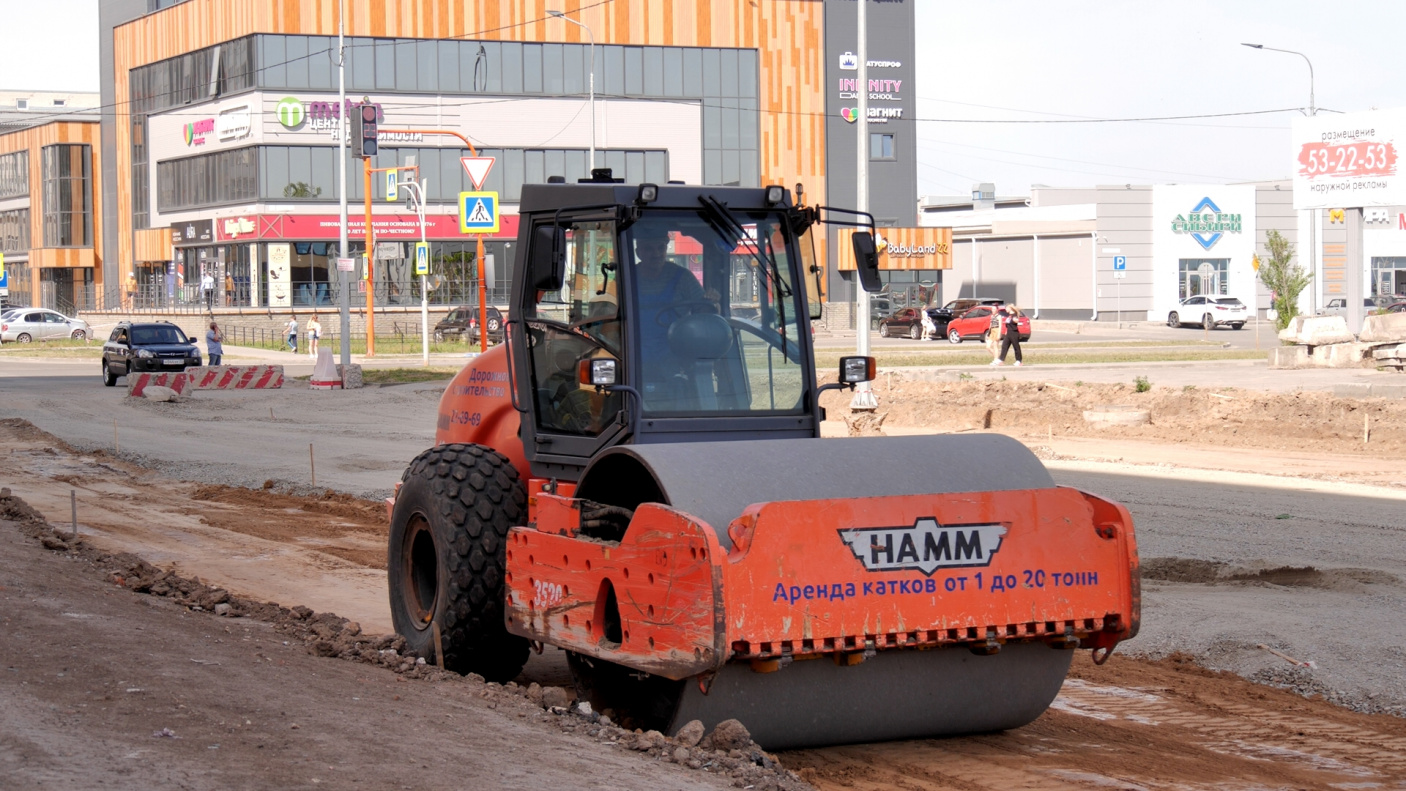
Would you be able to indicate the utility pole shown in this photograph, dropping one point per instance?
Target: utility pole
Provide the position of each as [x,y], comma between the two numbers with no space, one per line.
[863,394]
[342,127]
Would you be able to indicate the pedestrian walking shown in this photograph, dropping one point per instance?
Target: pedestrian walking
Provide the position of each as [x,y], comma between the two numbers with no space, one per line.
[207,287]
[214,343]
[229,289]
[292,331]
[314,333]
[1010,326]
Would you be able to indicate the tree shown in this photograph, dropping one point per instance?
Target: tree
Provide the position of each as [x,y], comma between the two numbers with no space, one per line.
[1284,277]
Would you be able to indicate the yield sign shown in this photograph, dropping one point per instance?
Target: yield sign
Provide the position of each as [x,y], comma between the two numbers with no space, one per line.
[477,168]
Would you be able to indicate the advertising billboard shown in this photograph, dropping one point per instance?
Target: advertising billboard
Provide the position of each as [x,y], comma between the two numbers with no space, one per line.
[1349,160]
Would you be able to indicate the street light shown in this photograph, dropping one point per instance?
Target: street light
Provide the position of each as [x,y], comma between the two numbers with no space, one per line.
[1315,222]
[1312,109]
[562,15]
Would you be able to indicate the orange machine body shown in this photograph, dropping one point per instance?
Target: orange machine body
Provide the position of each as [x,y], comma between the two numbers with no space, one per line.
[477,407]
[842,577]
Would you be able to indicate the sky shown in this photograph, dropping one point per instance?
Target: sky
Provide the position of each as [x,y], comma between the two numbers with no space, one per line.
[1009,60]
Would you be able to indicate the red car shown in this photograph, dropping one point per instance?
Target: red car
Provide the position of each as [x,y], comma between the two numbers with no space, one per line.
[976,322]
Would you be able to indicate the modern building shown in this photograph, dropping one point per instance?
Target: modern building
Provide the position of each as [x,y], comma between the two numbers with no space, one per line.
[49,230]
[1132,252]
[224,154]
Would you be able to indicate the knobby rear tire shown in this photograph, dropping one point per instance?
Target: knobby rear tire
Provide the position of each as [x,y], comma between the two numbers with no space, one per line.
[447,555]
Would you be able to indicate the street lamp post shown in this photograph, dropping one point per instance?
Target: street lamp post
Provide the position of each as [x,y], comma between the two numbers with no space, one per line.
[562,15]
[1314,221]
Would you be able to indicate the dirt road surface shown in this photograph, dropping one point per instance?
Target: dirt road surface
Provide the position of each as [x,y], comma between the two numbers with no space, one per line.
[1237,554]
[103,688]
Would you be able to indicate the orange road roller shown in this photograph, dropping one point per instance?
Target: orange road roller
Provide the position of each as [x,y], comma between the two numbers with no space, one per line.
[636,476]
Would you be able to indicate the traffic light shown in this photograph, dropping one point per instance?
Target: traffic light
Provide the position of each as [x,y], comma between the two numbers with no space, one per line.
[363,131]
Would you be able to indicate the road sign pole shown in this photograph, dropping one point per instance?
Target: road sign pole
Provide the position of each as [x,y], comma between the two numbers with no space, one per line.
[370,266]
[482,297]
[424,275]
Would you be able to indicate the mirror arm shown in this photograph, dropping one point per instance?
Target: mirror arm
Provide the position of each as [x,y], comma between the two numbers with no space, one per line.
[629,413]
[820,410]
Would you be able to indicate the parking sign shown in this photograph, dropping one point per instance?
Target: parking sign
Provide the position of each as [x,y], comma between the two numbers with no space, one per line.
[1120,262]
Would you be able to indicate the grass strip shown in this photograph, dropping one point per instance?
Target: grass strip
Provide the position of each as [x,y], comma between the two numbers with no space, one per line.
[396,376]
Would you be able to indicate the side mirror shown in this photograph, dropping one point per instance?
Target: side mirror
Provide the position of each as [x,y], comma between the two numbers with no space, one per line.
[547,260]
[598,372]
[866,261]
[854,370]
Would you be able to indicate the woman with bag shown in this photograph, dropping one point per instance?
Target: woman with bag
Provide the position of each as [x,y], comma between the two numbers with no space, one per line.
[1009,316]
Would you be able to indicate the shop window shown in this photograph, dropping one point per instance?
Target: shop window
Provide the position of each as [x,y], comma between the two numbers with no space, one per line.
[1202,276]
[14,231]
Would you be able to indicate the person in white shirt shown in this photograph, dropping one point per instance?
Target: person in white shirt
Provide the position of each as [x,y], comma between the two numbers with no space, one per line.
[292,331]
[314,332]
[207,287]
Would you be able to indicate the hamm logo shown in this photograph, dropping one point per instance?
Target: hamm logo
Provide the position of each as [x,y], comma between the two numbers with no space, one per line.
[926,546]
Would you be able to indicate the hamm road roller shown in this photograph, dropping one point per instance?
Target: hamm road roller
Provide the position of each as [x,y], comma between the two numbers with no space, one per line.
[636,476]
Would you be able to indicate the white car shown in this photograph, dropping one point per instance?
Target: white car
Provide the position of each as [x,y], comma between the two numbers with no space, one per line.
[1209,312]
[38,324]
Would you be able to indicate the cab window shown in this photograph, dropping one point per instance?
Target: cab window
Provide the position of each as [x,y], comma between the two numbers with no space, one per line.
[579,321]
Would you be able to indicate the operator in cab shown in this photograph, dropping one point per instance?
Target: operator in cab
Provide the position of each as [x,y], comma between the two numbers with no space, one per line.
[664,293]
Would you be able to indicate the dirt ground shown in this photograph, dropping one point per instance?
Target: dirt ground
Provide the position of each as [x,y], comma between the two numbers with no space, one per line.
[1226,417]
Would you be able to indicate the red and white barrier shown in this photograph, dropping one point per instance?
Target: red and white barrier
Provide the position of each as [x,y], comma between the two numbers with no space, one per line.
[236,377]
[137,383]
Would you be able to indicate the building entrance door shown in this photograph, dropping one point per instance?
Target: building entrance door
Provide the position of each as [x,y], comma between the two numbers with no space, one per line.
[1202,277]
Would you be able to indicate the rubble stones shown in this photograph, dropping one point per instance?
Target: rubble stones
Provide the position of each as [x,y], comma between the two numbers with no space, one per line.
[729,735]
[691,733]
[556,698]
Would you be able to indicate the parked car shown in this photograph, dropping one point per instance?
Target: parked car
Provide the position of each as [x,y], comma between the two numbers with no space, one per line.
[975,323]
[147,346]
[902,322]
[38,324]
[940,316]
[463,321]
[1337,306]
[1399,307]
[1210,312]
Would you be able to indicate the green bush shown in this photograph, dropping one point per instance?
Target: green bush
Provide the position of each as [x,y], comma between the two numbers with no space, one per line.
[1141,385]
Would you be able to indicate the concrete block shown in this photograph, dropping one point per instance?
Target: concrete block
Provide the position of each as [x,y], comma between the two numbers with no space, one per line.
[1324,330]
[1391,350]
[1353,390]
[1341,355]
[351,376]
[1290,334]
[1289,357]
[1390,328]
[1380,390]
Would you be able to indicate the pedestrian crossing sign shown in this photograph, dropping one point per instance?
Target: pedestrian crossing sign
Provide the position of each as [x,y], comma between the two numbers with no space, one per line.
[478,212]
[422,258]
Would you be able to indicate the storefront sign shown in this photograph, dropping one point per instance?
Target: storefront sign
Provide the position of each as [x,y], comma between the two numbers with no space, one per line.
[1207,223]
[903,248]
[877,115]
[233,124]
[882,90]
[323,227]
[195,131]
[850,62]
[1349,159]
[192,232]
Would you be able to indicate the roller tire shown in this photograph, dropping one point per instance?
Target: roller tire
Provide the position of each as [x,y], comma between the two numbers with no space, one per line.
[1173,320]
[109,378]
[463,498]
